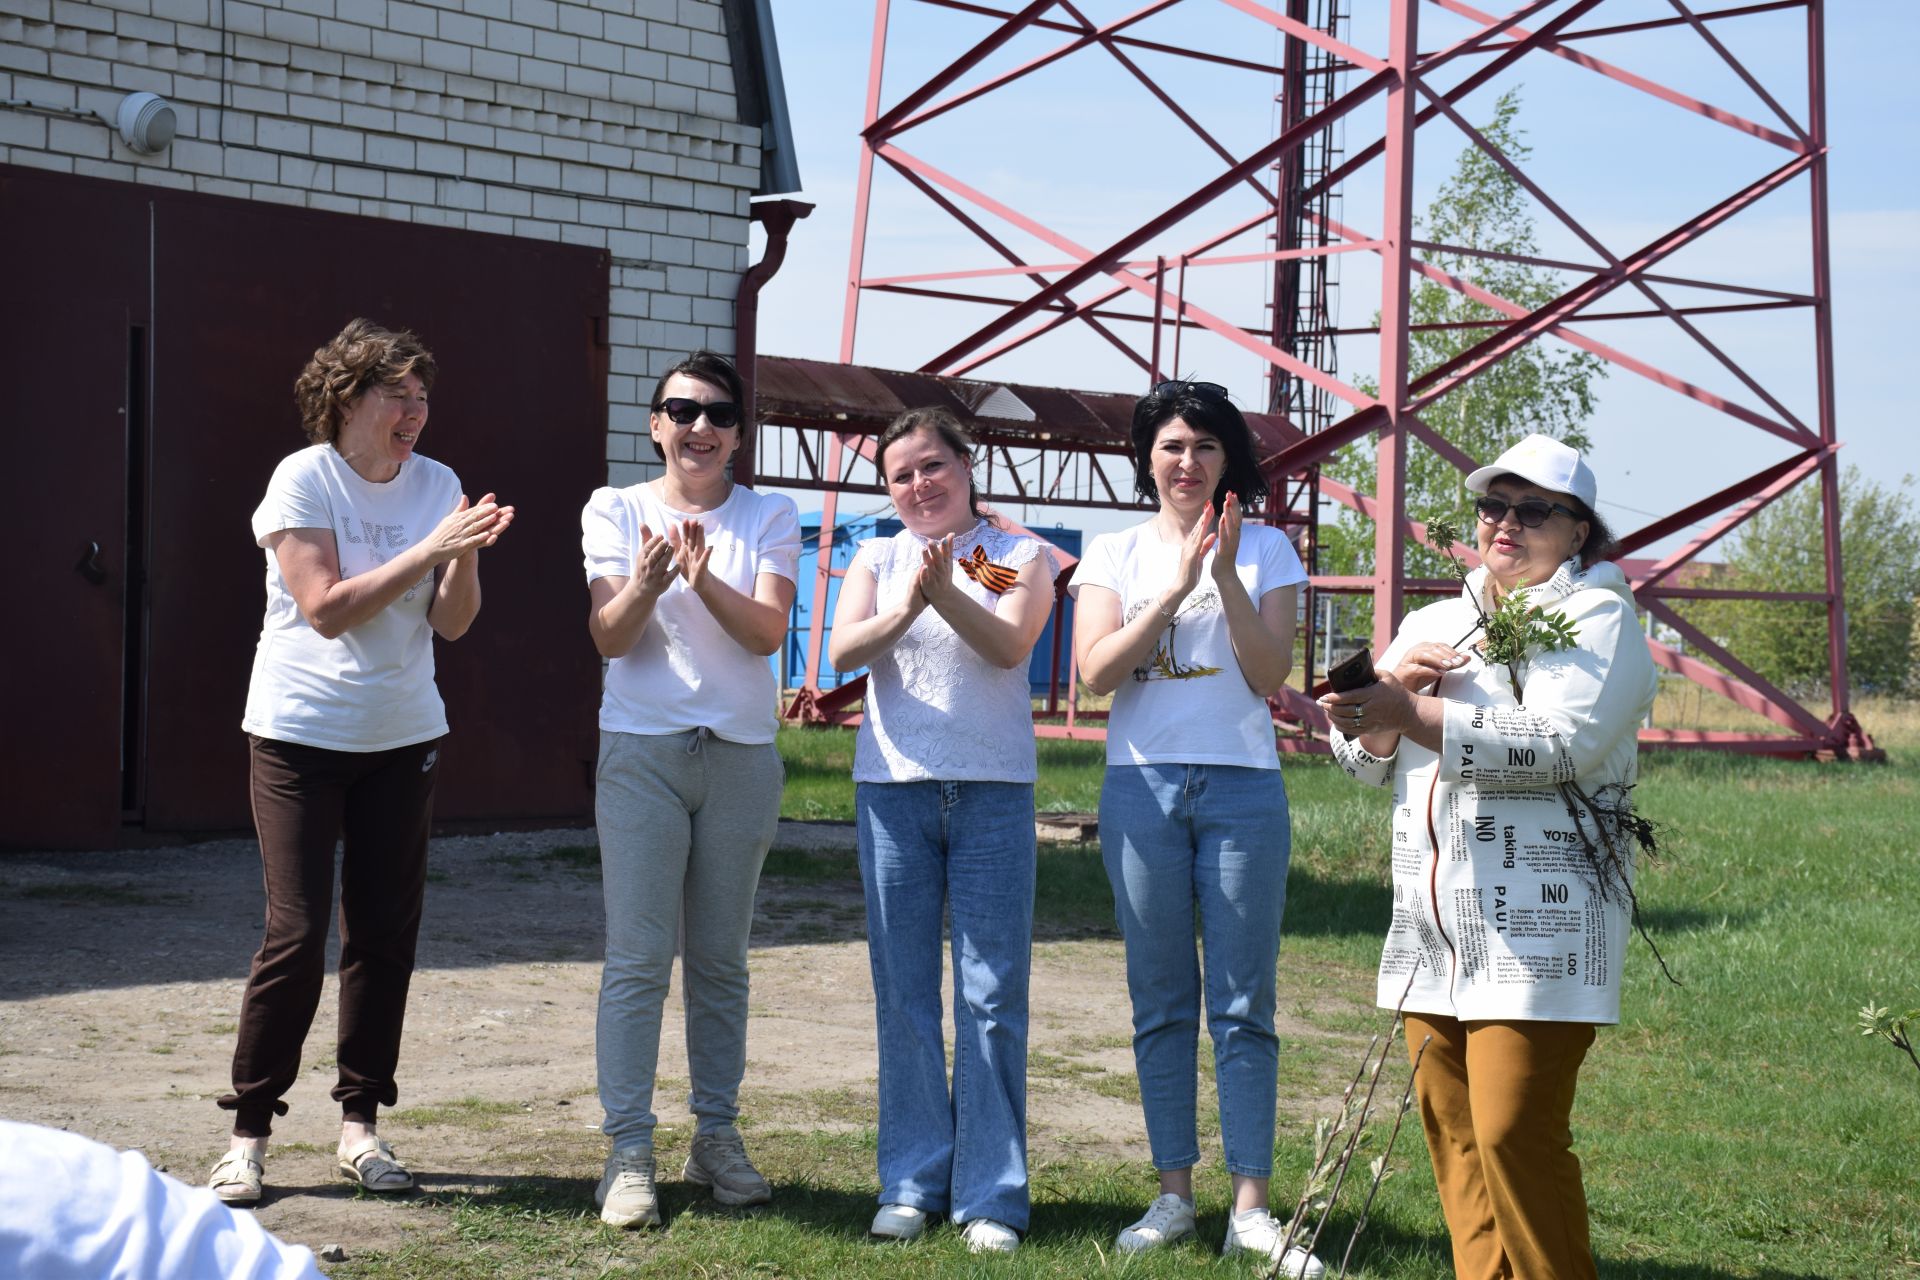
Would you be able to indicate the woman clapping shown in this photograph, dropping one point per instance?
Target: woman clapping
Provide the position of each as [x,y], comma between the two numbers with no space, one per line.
[691,578]
[1189,623]
[945,613]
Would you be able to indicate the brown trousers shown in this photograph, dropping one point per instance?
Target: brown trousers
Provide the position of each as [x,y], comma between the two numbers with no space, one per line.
[1496,1099]
[305,800]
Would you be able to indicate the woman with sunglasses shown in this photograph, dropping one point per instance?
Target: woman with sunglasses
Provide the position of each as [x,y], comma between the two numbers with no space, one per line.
[1506,942]
[945,613]
[691,578]
[1189,622]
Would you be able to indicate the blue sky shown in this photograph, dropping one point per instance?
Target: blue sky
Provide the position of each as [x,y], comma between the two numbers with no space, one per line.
[1084,149]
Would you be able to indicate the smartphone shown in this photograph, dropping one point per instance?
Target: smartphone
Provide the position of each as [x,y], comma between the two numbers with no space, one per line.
[1355,672]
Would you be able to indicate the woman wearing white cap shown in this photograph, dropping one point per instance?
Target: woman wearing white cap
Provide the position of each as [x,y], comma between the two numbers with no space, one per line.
[1512,855]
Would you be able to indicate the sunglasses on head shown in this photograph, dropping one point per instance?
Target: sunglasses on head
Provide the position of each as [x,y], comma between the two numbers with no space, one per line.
[1183,386]
[1531,513]
[685,412]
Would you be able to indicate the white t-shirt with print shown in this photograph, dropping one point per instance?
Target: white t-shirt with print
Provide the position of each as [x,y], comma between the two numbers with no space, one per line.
[935,709]
[685,672]
[372,688]
[1187,703]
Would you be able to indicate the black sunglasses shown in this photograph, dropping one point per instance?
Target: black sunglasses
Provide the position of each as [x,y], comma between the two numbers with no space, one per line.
[685,412]
[1182,386]
[1532,513]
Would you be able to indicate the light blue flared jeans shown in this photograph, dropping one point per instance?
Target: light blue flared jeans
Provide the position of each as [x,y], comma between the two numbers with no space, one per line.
[967,848]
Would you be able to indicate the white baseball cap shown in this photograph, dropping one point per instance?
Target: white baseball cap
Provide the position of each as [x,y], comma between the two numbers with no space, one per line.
[1545,461]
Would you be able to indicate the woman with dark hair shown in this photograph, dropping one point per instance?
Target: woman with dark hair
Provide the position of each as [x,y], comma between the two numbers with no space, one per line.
[1189,623]
[945,613]
[1512,855]
[371,550]
[691,578]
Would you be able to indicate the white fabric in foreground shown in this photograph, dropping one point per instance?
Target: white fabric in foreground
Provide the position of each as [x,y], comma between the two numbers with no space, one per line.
[72,1209]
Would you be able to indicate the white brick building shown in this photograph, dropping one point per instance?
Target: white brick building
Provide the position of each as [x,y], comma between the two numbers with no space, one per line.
[554,193]
[638,126]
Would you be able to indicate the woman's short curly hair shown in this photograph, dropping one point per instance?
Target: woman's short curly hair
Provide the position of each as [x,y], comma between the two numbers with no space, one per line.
[361,356]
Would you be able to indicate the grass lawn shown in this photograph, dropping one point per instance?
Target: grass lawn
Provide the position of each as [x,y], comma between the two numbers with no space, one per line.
[1736,1126]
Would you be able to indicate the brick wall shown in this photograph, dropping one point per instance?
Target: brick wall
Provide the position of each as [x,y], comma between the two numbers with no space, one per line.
[610,124]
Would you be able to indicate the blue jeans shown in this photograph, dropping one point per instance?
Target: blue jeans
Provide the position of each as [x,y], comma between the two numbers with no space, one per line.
[967,846]
[1175,837]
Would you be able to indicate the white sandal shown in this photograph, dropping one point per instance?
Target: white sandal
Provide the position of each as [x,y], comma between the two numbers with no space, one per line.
[372,1163]
[236,1178]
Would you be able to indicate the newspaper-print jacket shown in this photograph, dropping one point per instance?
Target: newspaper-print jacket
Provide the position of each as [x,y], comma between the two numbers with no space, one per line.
[1497,912]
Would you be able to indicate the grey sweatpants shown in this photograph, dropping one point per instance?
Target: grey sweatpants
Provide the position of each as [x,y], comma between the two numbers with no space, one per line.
[685,823]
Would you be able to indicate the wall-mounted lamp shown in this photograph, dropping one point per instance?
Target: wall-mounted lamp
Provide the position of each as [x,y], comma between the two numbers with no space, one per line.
[146,122]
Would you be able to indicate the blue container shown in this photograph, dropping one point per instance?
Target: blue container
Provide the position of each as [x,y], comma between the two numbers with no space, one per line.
[790,664]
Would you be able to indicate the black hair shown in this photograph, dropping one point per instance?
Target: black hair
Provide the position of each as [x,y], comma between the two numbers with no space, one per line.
[710,367]
[951,433]
[1600,539]
[1204,407]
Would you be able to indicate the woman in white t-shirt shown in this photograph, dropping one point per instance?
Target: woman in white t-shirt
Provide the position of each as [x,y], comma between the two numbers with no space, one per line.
[371,551]
[945,613]
[691,577]
[1189,623]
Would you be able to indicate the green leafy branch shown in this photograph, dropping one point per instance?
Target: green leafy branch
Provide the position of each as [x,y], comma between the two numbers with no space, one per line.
[1894,1028]
[1515,628]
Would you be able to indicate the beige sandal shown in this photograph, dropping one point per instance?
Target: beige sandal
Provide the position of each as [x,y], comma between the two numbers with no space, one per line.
[236,1178]
[372,1163]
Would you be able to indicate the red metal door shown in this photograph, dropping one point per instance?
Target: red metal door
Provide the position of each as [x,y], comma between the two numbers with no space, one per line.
[244,293]
[73,311]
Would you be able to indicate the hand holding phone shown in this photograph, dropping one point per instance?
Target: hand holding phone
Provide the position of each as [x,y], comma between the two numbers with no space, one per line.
[1355,672]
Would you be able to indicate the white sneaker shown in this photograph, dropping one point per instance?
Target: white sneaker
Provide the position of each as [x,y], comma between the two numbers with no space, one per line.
[1257,1231]
[984,1235]
[626,1194]
[1167,1219]
[900,1222]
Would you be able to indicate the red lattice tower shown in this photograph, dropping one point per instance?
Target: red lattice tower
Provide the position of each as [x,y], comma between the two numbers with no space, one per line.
[1132,291]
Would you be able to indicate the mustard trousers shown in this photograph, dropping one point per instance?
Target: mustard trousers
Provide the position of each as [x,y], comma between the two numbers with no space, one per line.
[1496,1100]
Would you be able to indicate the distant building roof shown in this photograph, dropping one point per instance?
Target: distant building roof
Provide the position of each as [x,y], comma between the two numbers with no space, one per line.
[862,400]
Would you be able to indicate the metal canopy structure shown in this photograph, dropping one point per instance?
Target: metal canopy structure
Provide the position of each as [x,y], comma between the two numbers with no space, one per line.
[1139,290]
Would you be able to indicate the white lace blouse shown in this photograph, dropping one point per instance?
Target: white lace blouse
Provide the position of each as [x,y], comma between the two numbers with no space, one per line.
[935,709]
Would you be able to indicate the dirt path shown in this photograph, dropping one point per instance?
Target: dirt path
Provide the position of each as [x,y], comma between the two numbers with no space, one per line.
[120,979]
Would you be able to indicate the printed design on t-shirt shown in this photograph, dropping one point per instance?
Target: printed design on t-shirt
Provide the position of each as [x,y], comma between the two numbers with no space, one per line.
[1164,662]
[381,541]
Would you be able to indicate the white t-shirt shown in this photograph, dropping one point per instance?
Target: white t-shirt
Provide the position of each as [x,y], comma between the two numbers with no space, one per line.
[936,710]
[72,1209]
[372,688]
[685,672]
[1188,703]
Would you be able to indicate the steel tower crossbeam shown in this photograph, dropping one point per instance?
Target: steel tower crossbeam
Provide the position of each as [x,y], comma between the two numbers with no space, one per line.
[1133,291]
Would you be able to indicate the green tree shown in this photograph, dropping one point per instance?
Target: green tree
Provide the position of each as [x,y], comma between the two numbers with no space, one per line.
[1780,549]
[1538,388]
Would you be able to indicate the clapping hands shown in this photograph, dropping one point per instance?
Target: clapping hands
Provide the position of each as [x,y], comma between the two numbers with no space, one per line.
[688,541]
[653,568]
[934,581]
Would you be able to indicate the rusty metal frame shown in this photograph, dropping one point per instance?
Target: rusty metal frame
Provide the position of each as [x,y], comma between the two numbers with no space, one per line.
[1135,269]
